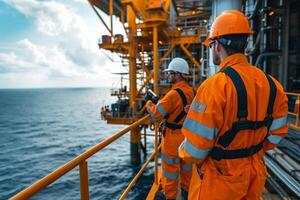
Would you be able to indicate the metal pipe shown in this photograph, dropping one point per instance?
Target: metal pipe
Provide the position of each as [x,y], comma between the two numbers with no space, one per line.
[289,181]
[283,163]
[277,187]
[294,164]
[264,55]
[252,51]
[56,174]
[254,13]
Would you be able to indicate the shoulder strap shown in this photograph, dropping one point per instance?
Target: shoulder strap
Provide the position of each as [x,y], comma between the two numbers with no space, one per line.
[241,91]
[184,102]
[273,91]
[183,98]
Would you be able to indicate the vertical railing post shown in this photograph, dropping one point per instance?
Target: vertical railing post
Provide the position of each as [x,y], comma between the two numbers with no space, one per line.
[84,182]
[155,59]
[156,154]
[297,109]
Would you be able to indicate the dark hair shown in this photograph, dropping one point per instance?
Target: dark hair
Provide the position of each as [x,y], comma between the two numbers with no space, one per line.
[234,43]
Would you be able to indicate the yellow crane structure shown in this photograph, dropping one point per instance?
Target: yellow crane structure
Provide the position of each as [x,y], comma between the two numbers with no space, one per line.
[155,29]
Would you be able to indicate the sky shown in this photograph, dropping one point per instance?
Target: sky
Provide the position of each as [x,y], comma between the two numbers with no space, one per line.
[54,43]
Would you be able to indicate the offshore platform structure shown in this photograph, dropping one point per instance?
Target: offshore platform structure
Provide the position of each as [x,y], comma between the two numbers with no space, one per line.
[156,31]
[159,30]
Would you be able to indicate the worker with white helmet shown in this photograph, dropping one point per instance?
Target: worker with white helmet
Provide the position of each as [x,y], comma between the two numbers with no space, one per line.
[172,108]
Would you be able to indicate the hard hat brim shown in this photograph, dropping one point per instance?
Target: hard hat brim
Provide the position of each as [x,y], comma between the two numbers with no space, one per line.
[206,42]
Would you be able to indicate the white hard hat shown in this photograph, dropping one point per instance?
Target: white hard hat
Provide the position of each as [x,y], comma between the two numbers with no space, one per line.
[178,65]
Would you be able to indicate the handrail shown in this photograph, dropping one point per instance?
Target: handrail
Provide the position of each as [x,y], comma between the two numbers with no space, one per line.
[296,113]
[79,160]
[131,184]
[154,154]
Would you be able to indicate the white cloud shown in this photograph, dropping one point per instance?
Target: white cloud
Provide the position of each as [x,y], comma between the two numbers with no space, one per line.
[73,54]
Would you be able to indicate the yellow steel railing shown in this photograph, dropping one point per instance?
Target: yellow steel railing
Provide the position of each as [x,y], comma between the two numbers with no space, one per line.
[81,161]
[296,112]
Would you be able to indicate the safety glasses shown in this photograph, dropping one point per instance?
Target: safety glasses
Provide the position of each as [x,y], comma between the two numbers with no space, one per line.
[211,43]
[172,73]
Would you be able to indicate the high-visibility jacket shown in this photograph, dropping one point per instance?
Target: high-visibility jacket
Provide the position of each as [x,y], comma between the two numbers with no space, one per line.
[212,113]
[170,107]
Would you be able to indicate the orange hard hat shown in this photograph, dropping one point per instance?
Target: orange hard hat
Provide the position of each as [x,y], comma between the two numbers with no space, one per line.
[227,23]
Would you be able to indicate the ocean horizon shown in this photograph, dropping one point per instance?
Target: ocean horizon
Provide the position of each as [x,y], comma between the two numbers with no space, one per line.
[43,128]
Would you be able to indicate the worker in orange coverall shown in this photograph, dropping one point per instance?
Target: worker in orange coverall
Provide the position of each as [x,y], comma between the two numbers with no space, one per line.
[237,115]
[171,107]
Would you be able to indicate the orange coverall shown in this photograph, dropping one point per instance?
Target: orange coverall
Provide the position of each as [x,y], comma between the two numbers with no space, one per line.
[212,113]
[172,166]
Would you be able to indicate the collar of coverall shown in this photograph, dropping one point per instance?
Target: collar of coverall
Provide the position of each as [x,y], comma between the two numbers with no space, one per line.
[176,85]
[233,59]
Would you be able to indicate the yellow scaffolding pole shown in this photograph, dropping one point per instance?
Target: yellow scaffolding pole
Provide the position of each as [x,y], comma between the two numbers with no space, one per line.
[186,51]
[155,58]
[161,60]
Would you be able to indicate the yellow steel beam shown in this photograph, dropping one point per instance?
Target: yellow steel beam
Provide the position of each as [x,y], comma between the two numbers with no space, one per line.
[119,48]
[111,18]
[132,56]
[186,51]
[155,59]
[137,5]
[167,5]
[103,22]
[123,20]
[187,39]
[161,60]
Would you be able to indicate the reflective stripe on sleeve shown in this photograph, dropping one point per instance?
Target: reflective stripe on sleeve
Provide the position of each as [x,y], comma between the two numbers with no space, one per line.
[161,110]
[152,116]
[274,139]
[198,107]
[170,175]
[195,152]
[200,129]
[186,167]
[168,160]
[278,123]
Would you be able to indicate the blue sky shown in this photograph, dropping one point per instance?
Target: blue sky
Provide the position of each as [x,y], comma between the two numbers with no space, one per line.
[53,43]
